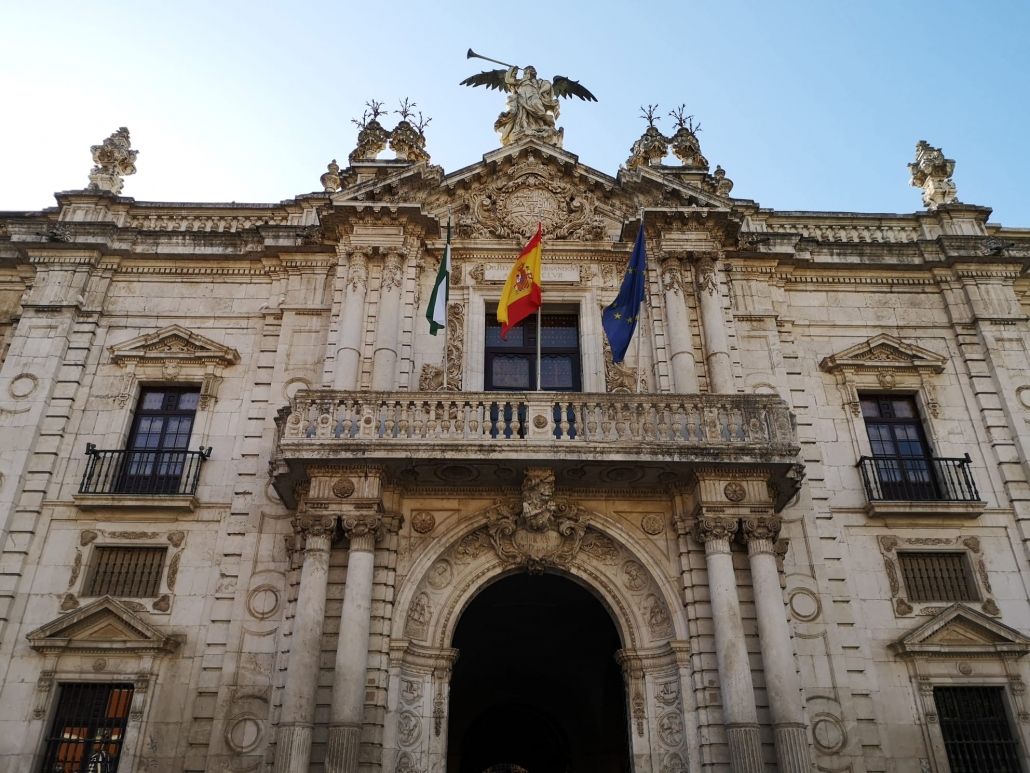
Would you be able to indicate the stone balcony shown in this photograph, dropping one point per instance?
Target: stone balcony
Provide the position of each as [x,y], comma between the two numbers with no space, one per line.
[486,439]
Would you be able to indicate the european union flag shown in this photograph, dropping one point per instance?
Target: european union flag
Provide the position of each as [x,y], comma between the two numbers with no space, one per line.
[620,319]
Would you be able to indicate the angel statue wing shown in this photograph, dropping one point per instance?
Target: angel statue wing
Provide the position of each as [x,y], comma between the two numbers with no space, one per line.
[565,87]
[492,79]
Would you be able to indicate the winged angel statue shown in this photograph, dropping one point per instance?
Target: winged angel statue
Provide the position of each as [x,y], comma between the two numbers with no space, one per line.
[532,105]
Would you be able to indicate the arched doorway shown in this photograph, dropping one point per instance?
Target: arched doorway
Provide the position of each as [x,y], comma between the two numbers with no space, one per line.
[536,685]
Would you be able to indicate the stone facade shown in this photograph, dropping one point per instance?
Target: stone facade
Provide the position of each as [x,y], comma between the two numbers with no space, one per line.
[349,510]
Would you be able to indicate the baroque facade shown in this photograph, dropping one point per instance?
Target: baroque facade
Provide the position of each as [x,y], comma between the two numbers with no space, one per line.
[246,528]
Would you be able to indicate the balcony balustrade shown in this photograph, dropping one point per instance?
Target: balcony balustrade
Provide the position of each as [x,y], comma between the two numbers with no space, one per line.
[918,479]
[485,438]
[139,473]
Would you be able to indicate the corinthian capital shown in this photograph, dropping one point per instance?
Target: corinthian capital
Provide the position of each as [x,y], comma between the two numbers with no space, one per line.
[362,529]
[709,528]
[311,525]
[763,527]
[357,267]
[704,263]
[393,267]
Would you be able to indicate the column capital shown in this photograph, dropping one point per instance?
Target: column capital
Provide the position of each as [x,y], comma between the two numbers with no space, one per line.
[313,524]
[760,533]
[357,266]
[711,530]
[362,529]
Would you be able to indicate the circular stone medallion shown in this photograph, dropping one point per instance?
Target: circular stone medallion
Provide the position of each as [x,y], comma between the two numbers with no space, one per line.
[734,491]
[423,521]
[652,523]
[343,488]
[22,386]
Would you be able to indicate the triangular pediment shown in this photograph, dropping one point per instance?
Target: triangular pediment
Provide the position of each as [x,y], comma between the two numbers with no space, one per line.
[174,343]
[505,195]
[961,630]
[884,351]
[105,624]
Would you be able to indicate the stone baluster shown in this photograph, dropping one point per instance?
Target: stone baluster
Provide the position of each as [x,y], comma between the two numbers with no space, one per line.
[293,749]
[384,360]
[681,347]
[781,680]
[717,350]
[351,325]
[738,695]
[362,524]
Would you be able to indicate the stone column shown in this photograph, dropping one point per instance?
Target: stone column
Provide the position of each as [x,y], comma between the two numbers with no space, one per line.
[352,322]
[717,350]
[346,712]
[384,360]
[293,749]
[738,694]
[781,680]
[677,326]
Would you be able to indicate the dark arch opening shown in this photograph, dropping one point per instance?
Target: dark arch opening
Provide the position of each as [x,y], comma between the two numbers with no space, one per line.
[536,684]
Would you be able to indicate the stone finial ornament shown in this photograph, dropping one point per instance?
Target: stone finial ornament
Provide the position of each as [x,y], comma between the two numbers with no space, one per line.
[408,139]
[652,146]
[372,137]
[932,172]
[114,159]
[331,179]
[685,145]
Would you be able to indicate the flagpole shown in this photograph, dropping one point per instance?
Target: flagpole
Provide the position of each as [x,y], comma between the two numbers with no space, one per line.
[540,309]
[446,298]
[640,330]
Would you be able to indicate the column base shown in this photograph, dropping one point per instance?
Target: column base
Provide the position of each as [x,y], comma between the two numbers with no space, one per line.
[792,748]
[341,754]
[293,749]
[745,748]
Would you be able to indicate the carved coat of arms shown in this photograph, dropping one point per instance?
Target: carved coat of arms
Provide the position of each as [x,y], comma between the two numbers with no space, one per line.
[542,532]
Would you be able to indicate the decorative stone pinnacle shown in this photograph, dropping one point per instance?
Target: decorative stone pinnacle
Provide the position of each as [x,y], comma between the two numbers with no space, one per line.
[331,179]
[114,159]
[932,172]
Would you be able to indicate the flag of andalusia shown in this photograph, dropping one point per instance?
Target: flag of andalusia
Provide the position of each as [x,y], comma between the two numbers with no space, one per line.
[437,311]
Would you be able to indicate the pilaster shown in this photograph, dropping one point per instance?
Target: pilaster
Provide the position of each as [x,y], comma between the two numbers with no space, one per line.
[713,322]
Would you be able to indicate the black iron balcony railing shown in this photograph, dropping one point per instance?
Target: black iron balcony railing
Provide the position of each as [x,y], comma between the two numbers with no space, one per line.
[142,473]
[922,479]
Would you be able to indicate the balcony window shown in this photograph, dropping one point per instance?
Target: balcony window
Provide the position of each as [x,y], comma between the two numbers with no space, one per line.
[511,364]
[88,728]
[902,467]
[156,461]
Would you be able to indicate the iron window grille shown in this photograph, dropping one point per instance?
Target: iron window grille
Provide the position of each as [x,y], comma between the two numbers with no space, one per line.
[977,734]
[937,577]
[88,729]
[126,572]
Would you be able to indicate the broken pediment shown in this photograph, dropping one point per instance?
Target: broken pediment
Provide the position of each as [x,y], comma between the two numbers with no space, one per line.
[105,625]
[961,631]
[884,352]
[174,343]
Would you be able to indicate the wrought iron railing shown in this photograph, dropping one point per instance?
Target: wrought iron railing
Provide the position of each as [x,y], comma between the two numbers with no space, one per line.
[911,479]
[142,473]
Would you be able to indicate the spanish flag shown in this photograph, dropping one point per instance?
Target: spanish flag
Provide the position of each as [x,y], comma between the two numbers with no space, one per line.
[522,294]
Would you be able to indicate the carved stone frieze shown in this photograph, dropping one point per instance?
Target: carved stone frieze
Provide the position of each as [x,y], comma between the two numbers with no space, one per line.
[542,532]
[531,192]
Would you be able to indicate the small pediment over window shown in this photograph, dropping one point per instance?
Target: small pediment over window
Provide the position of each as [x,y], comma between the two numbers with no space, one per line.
[106,625]
[174,343]
[884,352]
[961,630]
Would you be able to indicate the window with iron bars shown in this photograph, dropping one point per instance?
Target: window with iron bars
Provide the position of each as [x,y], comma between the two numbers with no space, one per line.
[977,733]
[937,577]
[88,729]
[126,572]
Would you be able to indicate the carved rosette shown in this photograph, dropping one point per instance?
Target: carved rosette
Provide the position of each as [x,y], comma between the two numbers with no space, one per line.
[362,529]
[715,533]
[760,533]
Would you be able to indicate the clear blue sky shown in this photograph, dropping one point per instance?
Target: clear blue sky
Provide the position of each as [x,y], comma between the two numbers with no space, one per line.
[807,105]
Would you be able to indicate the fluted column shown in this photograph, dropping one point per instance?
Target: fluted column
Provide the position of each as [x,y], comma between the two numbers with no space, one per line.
[293,749]
[738,694]
[384,360]
[352,319]
[345,714]
[781,680]
[681,347]
[717,350]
